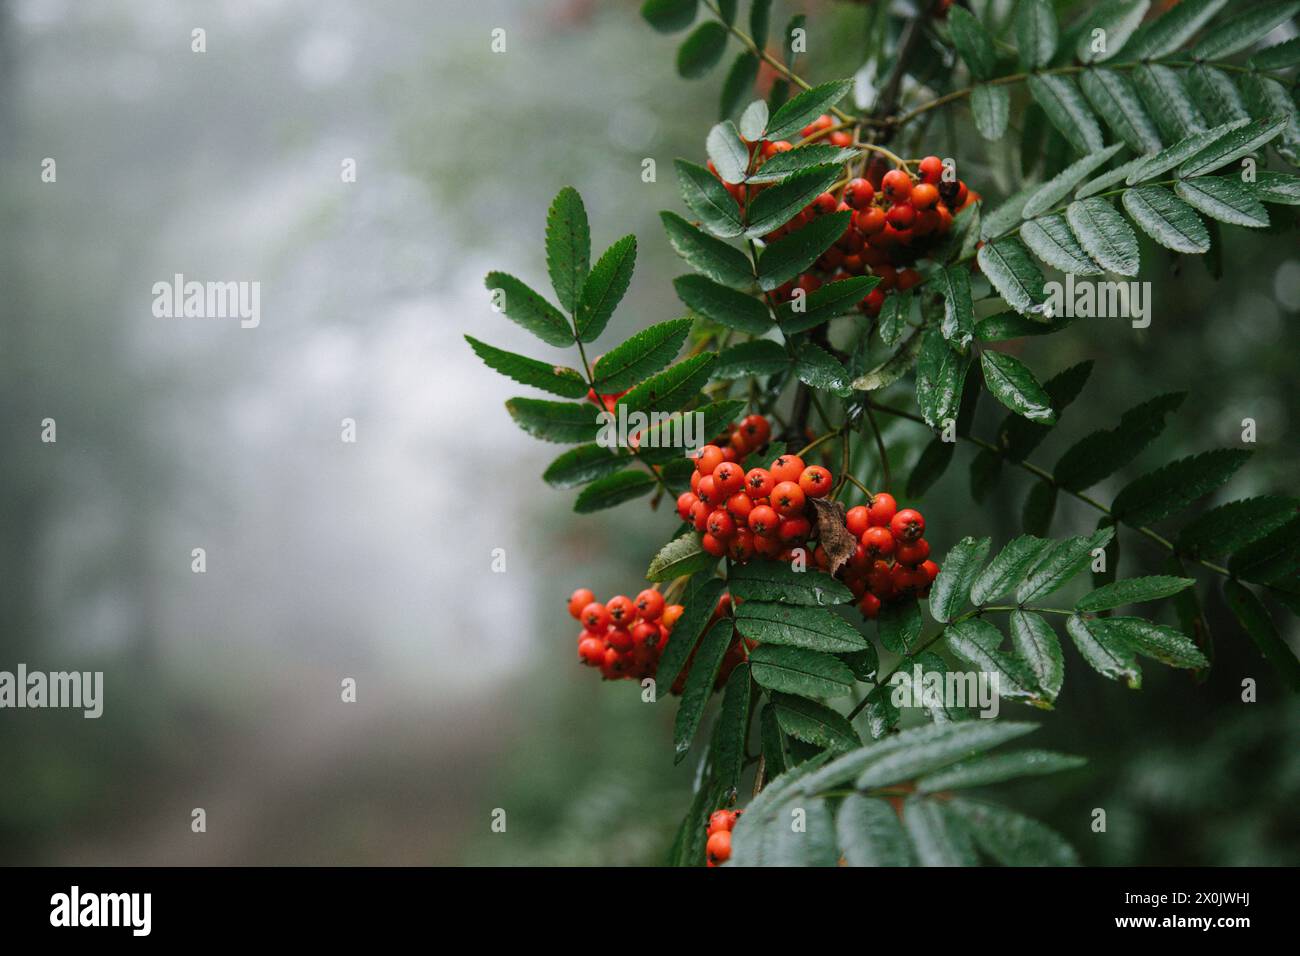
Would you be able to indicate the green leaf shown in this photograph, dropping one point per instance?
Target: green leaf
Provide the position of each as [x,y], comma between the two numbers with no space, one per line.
[729,155]
[1161,643]
[613,490]
[812,628]
[672,388]
[1170,31]
[1281,188]
[1018,436]
[707,255]
[564,422]
[1266,98]
[1011,325]
[1051,239]
[605,288]
[1034,642]
[778,204]
[1104,650]
[1279,56]
[568,247]
[894,317]
[1117,19]
[1040,504]
[679,557]
[1066,559]
[929,468]
[894,367]
[1271,559]
[1012,839]
[938,747]
[709,200]
[759,357]
[555,379]
[1067,110]
[699,685]
[816,367]
[1104,452]
[814,723]
[1104,235]
[959,569]
[983,771]
[973,43]
[794,252]
[1007,216]
[869,833]
[804,108]
[1012,384]
[975,641]
[1179,153]
[525,307]
[1007,265]
[1116,101]
[577,466]
[698,601]
[1224,529]
[723,305]
[792,670]
[991,107]
[1036,33]
[939,837]
[1233,36]
[1216,94]
[643,354]
[1108,179]
[666,439]
[1167,102]
[732,729]
[1049,195]
[1254,619]
[825,303]
[1223,199]
[669,16]
[940,378]
[1166,219]
[1008,569]
[760,16]
[778,581]
[770,839]
[1132,591]
[958,325]
[798,159]
[753,122]
[898,625]
[772,743]
[1235,144]
[701,50]
[738,84]
[1168,490]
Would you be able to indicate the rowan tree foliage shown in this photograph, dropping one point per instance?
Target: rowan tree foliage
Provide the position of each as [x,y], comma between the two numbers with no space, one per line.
[839,275]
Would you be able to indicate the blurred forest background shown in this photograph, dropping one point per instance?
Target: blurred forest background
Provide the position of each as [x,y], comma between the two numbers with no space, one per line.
[372,560]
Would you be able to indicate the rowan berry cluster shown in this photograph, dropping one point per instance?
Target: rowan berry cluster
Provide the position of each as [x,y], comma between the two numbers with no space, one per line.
[760,512]
[892,558]
[898,219]
[623,637]
[718,848]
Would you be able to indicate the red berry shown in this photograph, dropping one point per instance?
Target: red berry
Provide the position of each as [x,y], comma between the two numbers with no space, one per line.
[869,221]
[856,521]
[700,515]
[824,204]
[759,483]
[645,633]
[912,553]
[880,579]
[671,613]
[764,522]
[896,185]
[878,542]
[621,610]
[713,545]
[788,499]
[580,599]
[619,639]
[931,569]
[924,196]
[709,457]
[684,502]
[739,506]
[859,193]
[708,490]
[931,169]
[873,301]
[741,546]
[756,430]
[816,481]
[720,525]
[721,820]
[907,525]
[787,468]
[769,546]
[649,604]
[595,618]
[794,529]
[591,650]
[728,478]
[908,278]
[719,846]
[882,509]
[901,217]
[869,606]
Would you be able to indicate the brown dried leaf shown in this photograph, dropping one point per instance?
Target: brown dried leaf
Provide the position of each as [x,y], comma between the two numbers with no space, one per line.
[835,538]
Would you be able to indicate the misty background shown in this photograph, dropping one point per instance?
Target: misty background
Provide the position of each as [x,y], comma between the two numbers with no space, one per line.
[373,560]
